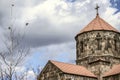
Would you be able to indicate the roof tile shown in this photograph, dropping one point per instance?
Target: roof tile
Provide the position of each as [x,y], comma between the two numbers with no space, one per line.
[73,69]
[115,70]
[98,24]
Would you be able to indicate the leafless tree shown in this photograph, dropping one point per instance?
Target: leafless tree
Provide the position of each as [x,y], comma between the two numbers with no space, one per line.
[37,72]
[14,54]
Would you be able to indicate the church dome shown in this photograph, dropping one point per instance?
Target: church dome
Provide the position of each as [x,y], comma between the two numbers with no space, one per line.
[98,24]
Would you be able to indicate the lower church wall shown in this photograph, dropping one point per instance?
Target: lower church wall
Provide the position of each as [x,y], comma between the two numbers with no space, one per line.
[64,76]
[76,77]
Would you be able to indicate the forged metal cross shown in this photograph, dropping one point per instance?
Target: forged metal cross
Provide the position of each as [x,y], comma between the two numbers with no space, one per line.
[97,7]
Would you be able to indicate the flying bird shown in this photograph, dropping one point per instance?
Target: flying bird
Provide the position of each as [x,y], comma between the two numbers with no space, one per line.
[26,24]
[9,27]
[12,5]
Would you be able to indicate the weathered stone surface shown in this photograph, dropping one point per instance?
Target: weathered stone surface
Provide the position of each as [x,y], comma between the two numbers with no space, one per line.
[51,72]
[98,50]
[114,77]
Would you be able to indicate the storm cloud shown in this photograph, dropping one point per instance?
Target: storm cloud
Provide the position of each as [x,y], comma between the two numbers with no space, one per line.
[52,25]
[53,22]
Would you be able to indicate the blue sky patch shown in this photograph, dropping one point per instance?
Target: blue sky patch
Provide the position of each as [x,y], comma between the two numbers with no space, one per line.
[71,0]
[115,4]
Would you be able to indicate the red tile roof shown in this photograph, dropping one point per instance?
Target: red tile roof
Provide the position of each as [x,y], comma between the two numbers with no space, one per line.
[98,24]
[115,70]
[73,69]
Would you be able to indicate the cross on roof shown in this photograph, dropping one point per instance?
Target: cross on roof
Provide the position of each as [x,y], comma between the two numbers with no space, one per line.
[97,7]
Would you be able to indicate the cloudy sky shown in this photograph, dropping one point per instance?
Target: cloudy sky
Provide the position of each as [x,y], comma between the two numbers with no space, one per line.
[53,24]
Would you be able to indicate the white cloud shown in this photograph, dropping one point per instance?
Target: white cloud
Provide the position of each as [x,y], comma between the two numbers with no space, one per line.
[70,18]
[112,18]
[27,74]
[58,20]
[20,69]
[31,75]
[54,23]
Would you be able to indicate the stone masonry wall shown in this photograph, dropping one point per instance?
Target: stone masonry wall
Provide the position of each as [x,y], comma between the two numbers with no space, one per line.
[98,50]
